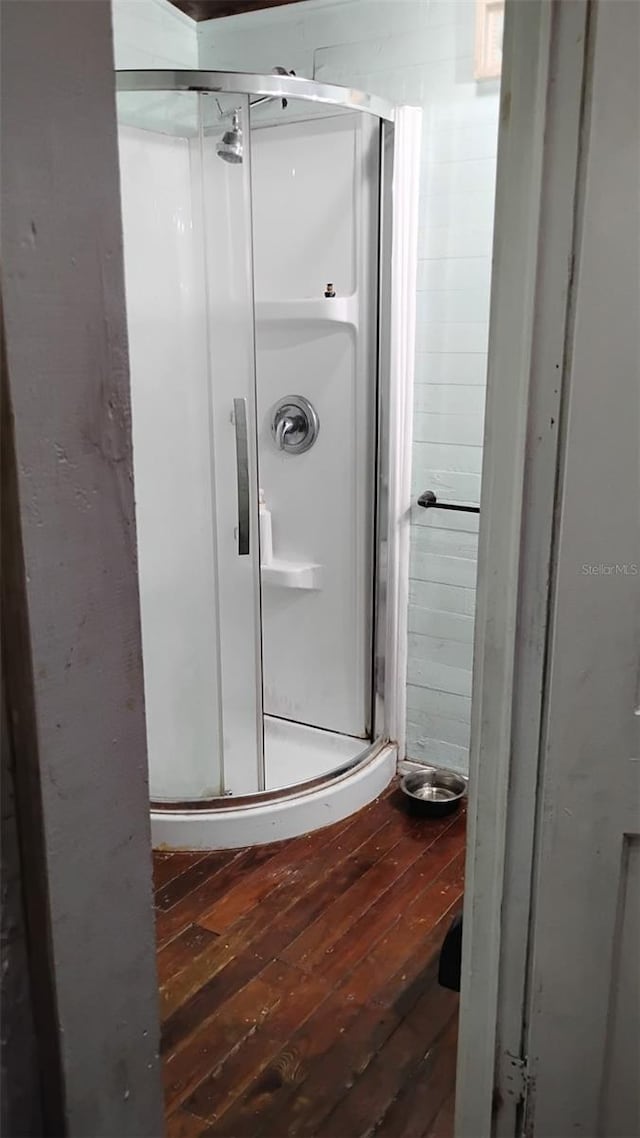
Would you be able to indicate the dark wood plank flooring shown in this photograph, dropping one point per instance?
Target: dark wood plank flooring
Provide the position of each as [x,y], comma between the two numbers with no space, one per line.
[298,987]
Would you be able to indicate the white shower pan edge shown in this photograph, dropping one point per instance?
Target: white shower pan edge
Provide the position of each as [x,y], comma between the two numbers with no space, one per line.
[287,817]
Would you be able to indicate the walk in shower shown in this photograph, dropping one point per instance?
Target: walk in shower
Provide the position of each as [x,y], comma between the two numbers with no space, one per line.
[260,234]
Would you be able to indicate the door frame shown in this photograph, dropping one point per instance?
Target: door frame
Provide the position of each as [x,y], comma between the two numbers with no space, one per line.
[546,48]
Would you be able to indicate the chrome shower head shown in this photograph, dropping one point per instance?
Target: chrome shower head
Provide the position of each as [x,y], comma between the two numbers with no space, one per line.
[230,147]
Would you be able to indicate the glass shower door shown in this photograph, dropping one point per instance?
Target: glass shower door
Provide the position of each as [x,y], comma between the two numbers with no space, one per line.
[187,219]
[226,213]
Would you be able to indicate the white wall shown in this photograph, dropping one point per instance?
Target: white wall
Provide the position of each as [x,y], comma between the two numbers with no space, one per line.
[420,52]
[152,33]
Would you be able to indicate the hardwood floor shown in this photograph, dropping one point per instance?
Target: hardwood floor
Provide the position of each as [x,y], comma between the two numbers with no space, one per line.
[298,986]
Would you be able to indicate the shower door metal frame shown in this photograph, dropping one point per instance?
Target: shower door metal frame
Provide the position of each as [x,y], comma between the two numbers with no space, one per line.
[245,83]
[387,671]
[383,675]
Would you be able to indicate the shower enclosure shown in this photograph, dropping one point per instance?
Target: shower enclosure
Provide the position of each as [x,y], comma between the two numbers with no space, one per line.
[260,231]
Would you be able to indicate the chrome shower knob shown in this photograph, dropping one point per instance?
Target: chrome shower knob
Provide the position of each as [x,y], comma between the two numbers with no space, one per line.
[294,424]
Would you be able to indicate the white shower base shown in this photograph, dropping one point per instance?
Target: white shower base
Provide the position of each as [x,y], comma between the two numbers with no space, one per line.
[294,753]
[255,823]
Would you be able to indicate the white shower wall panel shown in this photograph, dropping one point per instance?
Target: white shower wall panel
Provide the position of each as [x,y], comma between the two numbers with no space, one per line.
[172,464]
[315,222]
[304,178]
[313,640]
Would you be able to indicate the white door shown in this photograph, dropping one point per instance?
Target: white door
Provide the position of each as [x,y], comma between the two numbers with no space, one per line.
[583,1040]
[550,1010]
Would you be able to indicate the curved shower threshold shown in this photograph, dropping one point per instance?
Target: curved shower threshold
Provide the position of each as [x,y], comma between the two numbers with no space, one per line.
[272,818]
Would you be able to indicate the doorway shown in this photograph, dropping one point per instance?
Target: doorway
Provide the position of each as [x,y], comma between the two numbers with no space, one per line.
[258,304]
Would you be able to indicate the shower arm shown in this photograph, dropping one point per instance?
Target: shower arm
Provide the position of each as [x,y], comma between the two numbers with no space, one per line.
[262,99]
[255,103]
[267,99]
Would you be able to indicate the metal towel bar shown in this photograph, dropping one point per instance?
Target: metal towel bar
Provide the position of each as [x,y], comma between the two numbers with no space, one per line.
[428,498]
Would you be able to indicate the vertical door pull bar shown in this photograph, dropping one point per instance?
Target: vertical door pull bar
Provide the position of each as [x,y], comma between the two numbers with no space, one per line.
[242,474]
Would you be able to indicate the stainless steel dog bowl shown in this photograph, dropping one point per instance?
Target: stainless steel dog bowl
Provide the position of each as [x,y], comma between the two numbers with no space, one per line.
[433,791]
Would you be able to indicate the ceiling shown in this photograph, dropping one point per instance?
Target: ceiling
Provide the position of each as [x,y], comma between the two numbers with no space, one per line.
[211,9]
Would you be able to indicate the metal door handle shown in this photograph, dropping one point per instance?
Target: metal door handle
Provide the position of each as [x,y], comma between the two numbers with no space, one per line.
[428,498]
[242,475]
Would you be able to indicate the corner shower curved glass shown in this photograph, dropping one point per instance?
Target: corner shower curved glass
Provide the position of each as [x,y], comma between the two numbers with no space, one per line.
[251,239]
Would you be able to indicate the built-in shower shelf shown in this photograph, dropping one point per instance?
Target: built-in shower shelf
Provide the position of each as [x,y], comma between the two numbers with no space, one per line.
[332,310]
[292,575]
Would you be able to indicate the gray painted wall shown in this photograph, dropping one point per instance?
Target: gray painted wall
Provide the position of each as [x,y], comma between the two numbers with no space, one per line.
[63,295]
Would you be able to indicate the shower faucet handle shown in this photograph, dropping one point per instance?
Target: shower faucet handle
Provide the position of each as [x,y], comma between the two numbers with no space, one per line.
[294,424]
[286,425]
